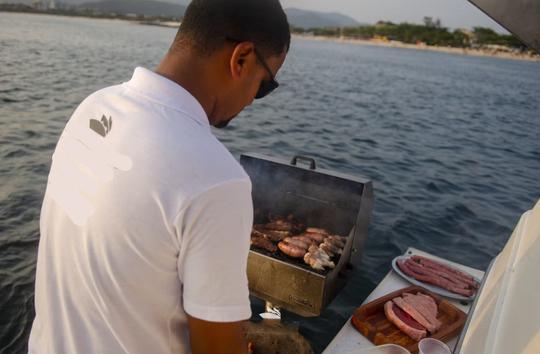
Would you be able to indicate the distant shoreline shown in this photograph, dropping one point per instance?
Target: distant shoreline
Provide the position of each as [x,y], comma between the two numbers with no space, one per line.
[480,52]
[392,44]
[423,47]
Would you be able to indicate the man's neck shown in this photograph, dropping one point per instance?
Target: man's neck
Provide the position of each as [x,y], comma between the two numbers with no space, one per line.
[193,76]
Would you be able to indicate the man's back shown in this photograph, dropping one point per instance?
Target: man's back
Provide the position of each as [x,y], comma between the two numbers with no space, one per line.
[145,215]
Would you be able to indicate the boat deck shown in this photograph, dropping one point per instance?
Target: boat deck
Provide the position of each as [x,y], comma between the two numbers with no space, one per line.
[349,339]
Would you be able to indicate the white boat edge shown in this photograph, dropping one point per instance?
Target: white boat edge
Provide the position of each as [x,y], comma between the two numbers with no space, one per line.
[506,300]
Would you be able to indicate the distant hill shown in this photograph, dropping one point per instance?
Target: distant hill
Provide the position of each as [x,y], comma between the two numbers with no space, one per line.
[311,19]
[24,2]
[175,8]
[79,2]
[139,7]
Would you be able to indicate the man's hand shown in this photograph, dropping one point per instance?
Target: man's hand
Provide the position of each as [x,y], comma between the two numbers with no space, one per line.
[216,337]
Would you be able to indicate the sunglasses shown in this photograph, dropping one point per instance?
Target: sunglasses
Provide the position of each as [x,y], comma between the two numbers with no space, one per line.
[266,86]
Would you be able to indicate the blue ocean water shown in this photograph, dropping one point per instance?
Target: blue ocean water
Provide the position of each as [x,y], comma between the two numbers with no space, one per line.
[452,143]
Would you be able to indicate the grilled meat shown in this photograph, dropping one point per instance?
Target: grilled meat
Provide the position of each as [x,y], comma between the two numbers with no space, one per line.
[273,235]
[327,250]
[291,250]
[277,235]
[297,242]
[339,241]
[318,238]
[317,262]
[315,230]
[313,262]
[279,225]
[317,258]
[315,245]
[331,245]
[285,224]
[263,242]
[306,239]
[256,233]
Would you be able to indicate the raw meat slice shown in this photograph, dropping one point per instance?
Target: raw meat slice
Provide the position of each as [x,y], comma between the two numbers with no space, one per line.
[424,307]
[414,313]
[403,321]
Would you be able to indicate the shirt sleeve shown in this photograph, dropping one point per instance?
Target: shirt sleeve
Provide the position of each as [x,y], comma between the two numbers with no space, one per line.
[215,241]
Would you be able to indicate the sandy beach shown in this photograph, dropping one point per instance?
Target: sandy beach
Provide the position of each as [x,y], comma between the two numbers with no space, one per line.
[396,44]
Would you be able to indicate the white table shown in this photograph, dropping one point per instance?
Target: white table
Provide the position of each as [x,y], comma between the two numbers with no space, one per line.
[349,339]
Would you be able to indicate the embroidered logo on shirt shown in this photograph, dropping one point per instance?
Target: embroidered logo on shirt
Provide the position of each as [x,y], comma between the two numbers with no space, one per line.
[82,165]
[102,127]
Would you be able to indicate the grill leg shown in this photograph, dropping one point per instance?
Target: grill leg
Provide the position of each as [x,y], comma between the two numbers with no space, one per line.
[272,312]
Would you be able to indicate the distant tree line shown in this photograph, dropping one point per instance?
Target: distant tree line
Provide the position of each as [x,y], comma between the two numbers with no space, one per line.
[82,12]
[430,33]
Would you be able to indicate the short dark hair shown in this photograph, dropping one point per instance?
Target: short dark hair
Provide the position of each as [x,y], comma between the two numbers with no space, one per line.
[208,24]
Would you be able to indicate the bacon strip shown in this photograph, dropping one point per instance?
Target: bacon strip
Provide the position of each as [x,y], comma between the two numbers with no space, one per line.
[464,277]
[435,273]
[430,279]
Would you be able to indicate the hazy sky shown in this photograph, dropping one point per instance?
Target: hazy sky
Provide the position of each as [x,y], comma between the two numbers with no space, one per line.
[453,13]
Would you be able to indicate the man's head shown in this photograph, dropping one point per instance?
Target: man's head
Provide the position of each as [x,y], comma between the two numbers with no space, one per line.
[241,45]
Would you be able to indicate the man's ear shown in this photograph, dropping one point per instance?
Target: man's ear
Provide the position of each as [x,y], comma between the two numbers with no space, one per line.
[241,58]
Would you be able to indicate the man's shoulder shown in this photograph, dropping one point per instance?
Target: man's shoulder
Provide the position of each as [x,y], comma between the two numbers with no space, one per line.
[180,151]
[116,95]
[103,93]
[213,165]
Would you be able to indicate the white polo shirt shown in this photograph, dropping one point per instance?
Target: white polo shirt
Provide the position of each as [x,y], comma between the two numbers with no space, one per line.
[146,217]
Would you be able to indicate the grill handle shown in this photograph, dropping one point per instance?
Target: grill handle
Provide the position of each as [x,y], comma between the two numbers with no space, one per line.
[311,161]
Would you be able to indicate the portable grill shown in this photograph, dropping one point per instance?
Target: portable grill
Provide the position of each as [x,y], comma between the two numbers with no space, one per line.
[339,203]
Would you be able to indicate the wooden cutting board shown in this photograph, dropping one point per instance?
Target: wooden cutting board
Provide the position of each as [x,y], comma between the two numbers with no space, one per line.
[371,321]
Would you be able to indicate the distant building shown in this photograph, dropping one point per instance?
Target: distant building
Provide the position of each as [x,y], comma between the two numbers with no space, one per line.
[383,24]
[37,4]
[466,31]
[381,38]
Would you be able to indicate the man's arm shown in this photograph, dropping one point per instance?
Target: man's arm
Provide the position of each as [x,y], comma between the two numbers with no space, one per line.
[215,230]
[217,337]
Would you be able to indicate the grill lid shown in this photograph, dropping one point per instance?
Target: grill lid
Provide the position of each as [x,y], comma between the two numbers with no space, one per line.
[318,197]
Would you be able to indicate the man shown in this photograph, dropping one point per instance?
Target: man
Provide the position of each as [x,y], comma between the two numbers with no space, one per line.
[146,218]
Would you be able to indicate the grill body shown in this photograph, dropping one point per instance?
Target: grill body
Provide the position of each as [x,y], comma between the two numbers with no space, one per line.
[339,203]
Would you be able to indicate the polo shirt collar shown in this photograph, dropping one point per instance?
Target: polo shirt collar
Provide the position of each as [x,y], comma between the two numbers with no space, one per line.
[168,93]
